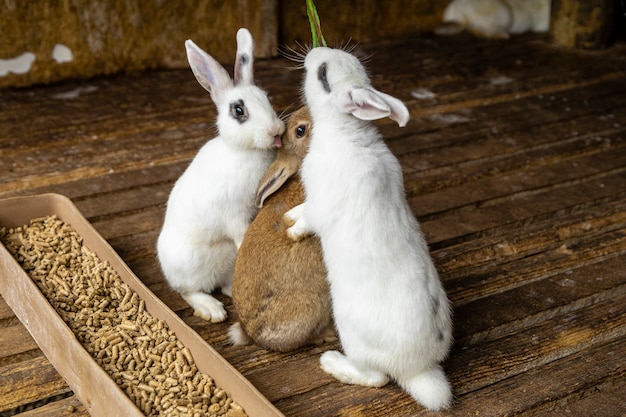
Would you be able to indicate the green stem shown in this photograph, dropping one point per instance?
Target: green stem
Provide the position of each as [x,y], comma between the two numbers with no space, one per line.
[316,27]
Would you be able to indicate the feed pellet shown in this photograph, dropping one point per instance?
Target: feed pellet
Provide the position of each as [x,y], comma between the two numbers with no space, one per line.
[138,351]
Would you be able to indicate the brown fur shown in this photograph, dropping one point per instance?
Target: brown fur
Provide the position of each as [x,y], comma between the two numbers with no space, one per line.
[280,290]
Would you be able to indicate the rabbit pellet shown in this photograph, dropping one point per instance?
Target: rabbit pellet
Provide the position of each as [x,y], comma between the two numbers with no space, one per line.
[139,352]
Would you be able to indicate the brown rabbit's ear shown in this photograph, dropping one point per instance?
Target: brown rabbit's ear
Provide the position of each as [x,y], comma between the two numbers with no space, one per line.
[277,174]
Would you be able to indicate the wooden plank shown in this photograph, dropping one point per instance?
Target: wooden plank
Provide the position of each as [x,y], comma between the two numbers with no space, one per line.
[478,284]
[505,356]
[556,237]
[342,400]
[555,175]
[29,381]
[605,400]
[153,115]
[511,311]
[6,314]
[103,104]
[15,341]
[103,160]
[429,167]
[477,366]
[473,218]
[563,380]
[141,222]
[129,145]
[64,407]
[474,68]
[562,384]
[505,242]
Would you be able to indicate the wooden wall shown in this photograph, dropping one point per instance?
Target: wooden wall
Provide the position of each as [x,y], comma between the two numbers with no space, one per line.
[360,20]
[109,36]
[50,40]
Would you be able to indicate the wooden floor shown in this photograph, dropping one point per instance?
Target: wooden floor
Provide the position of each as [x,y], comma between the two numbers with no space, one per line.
[514,163]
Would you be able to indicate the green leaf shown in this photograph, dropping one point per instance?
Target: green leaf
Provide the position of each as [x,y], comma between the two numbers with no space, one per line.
[316,27]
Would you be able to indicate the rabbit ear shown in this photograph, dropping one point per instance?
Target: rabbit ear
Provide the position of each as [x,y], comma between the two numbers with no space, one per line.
[245,58]
[371,104]
[277,174]
[209,73]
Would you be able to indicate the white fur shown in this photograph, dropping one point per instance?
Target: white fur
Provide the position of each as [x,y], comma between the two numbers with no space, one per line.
[237,336]
[390,309]
[212,203]
[497,18]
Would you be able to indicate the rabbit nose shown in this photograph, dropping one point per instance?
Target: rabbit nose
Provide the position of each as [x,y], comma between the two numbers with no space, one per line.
[277,141]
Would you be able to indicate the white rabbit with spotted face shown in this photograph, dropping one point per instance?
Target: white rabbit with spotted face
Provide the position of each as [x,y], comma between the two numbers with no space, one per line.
[391,311]
[212,203]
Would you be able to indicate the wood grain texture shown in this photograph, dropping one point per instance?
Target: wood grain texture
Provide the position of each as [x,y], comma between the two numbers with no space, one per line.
[514,162]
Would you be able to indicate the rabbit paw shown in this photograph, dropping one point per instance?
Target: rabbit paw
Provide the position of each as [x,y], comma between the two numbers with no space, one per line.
[339,366]
[327,335]
[297,232]
[292,216]
[206,307]
[298,227]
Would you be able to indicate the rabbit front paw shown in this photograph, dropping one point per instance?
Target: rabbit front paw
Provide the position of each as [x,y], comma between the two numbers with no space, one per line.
[328,335]
[298,231]
[298,227]
[292,216]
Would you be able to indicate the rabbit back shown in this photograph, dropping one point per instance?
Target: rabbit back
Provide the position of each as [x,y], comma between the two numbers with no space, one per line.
[280,290]
[211,201]
[208,212]
[374,249]
[389,306]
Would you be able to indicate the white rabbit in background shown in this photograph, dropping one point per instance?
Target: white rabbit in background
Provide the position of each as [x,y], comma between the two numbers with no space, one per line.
[496,18]
[390,309]
[212,203]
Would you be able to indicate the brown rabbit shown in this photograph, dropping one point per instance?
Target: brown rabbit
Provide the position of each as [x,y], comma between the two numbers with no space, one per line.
[280,290]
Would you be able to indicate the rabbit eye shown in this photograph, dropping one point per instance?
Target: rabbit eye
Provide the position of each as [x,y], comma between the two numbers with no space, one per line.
[238,111]
[323,77]
[300,131]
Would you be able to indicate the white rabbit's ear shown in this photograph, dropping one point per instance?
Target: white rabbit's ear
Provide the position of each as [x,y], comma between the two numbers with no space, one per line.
[245,58]
[209,73]
[371,104]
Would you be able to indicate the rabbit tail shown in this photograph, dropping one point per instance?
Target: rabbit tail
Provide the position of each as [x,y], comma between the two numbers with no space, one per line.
[237,336]
[429,387]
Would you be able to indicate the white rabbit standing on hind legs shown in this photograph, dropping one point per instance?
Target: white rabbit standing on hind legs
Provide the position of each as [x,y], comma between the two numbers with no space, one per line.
[212,203]
[390,309]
